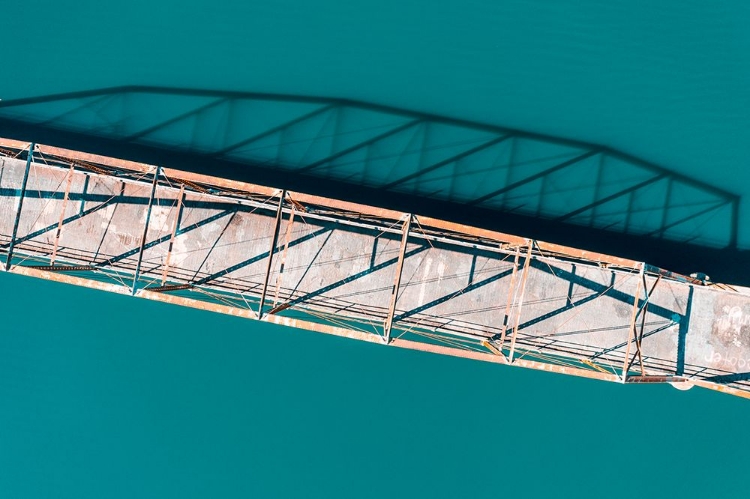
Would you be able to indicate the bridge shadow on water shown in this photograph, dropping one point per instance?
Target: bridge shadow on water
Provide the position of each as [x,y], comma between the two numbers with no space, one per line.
[568,192]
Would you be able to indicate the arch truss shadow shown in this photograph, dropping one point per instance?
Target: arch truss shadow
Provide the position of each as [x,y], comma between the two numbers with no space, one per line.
[399,152]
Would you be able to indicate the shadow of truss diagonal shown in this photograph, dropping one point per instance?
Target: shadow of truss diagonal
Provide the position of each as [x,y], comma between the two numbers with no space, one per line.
[398,151]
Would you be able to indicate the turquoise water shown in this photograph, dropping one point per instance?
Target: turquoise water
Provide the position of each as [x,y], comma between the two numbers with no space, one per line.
[664,81]
[111,396]
[103,395]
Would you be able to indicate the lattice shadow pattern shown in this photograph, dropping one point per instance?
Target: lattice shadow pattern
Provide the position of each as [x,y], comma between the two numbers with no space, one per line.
[403,152]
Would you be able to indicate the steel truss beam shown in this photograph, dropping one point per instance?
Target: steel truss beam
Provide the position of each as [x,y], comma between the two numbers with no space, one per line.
[271,251]
[397,278]
[137,273]
[17,219]
[175,228]
[339,278]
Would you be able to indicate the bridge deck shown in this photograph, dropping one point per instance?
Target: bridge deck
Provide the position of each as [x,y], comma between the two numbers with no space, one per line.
[355,270]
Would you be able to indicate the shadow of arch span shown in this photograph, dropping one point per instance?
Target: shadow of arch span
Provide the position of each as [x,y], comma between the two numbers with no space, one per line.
[551,188]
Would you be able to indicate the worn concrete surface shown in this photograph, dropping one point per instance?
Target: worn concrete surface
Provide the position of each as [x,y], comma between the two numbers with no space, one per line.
[346,271]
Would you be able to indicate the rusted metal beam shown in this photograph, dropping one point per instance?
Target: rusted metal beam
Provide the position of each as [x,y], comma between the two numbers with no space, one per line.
[397,279]
[657,379]
[175,228]
[631,326]
[639,335]
[335,204]
[17,221]
[62,214]
[519,307]
[69,279]
[274,241]
[282,262]
[509,302]
[63,268]
[137,273]
[668,274]
[472,231]
[171,287]
[643,312]
[121,164]
[721,388]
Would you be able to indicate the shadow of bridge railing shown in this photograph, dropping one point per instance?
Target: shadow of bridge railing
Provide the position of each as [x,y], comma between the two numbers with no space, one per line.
[557,189]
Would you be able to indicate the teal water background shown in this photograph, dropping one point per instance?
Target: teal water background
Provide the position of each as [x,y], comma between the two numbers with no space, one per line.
[108,396]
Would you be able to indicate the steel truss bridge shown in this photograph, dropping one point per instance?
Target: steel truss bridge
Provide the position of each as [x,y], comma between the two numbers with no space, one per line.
[372,274]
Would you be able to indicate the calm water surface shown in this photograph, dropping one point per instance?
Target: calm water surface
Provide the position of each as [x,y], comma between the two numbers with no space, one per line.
[108,396]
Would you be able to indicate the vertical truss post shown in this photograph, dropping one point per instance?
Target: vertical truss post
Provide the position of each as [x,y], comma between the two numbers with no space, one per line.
[639,335]
[506,318]
[62,215]
[524,278]
[175,227]
[287,237]
[137,274]
[397,279]
[643,311]
[29,159]
[631,326]
[274,241]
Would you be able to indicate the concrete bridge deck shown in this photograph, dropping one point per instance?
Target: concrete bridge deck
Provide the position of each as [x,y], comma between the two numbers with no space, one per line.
[364,272]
